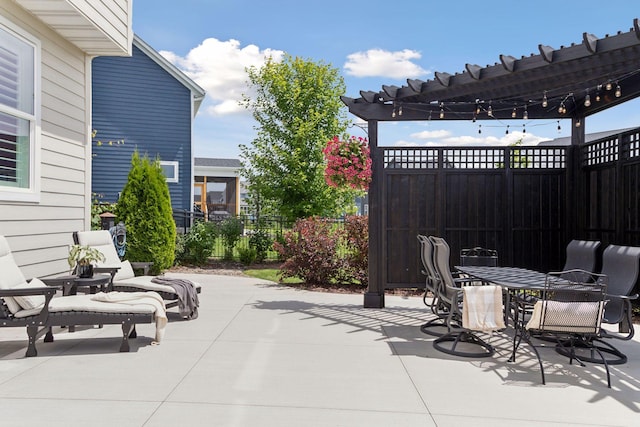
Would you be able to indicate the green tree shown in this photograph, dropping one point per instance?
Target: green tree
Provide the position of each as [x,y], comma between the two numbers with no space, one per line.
[297,106]
[145,208]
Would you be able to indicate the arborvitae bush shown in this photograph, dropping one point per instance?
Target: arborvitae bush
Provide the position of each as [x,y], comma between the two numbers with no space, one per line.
[145,208]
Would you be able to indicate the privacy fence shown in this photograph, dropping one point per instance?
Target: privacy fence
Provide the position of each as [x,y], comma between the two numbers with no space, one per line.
[525,202]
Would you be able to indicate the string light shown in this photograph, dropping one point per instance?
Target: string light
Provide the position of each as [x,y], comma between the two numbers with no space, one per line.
[587,100]
[598,93]
[479,129]
[442,110]
[525,115]
[544,100]
[608,86]
[559,128]
[524,129]
[489,111]
[400,111]
[513,113]
[618,91]
[578,123]
[507,131]
[393,112]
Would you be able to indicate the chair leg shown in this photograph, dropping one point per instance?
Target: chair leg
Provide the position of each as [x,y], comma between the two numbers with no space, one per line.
[618,358]
[32,333]
[49,336]
[126,328]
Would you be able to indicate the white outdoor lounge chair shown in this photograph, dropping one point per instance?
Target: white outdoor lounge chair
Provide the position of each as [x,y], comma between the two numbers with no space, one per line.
[33,304]
[123,276]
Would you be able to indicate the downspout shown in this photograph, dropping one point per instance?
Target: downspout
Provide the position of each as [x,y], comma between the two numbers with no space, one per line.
[88,157]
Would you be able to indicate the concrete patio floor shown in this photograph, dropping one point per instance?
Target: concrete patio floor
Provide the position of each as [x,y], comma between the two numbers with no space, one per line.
[266,355]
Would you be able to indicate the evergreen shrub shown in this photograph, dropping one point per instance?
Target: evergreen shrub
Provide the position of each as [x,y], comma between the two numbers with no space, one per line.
[145,208]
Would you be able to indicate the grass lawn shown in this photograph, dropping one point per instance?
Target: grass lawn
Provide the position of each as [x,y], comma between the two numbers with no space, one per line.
[272,274]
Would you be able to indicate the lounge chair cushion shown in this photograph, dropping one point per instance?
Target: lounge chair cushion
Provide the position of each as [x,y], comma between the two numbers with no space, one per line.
[125,271]
[28,302]
[10,275]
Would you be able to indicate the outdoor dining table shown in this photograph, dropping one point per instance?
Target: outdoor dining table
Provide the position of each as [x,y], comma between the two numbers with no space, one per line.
[521,283]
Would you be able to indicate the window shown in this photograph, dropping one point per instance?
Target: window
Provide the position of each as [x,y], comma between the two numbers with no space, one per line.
[170,170]
[19,114]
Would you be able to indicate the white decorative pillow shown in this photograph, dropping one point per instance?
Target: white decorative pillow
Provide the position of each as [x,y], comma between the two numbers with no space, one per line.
[28,302]
[125,272]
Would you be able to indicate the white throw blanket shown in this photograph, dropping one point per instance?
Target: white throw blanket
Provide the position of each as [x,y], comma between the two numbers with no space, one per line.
[482,308]
[134,298]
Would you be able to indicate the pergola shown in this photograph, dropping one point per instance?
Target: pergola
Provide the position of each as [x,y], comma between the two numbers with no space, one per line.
[571,82]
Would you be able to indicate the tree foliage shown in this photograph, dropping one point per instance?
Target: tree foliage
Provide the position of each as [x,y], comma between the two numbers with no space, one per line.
[298,109]
[145,208]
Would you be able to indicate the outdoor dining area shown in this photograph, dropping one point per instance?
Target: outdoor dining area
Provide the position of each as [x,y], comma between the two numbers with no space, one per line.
[564,310]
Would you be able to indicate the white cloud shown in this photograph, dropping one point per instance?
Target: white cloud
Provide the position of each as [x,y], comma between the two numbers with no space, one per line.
[442,138]
[427,134]
[382,63]
[219,67]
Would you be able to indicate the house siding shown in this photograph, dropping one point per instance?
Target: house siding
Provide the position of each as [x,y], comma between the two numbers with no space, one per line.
[39,233]
[135,99]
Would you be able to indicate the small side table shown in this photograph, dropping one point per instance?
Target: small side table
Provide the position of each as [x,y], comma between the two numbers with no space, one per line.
[70,284]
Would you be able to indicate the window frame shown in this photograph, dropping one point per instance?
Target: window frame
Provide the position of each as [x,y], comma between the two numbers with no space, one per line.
[32,192]
[176,169]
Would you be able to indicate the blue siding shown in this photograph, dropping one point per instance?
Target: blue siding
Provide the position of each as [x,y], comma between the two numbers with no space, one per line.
[136,100]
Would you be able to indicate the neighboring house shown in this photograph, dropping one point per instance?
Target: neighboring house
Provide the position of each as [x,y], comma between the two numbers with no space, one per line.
[148,103]
[216,186]
[566,140]
[45,102]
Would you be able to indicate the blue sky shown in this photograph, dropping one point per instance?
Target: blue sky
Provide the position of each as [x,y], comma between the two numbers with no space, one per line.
[372,43]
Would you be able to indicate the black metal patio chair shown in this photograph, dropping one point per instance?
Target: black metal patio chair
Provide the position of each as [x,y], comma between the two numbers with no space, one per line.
[569,313]
[460,339]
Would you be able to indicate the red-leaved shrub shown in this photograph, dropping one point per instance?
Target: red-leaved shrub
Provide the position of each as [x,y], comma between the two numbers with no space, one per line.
[319,251]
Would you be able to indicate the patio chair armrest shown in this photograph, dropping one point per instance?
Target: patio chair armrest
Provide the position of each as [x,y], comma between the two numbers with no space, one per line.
[48,291]
[624,297]
[140,265]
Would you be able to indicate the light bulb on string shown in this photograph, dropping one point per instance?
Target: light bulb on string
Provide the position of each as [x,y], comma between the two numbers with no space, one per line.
[474,118]
[598,93]
[429,118]
[393,112]
[490,111]
[525,115]
[578,123]
[609,85]
[513,113]
[559,128]
[479,129]
[618,91]
[507,131]
[400,110]
[524,129]
[544,100]
[587,100]
[442,110]
[477,108]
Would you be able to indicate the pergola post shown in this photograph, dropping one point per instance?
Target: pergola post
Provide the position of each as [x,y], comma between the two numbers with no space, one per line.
[374,297]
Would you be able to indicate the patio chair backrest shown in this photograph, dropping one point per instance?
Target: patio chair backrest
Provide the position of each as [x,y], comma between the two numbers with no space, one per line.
[479,256]
[621,264]
[442,253]
[426,256]
[101,240]
[582,255]
[570,305]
